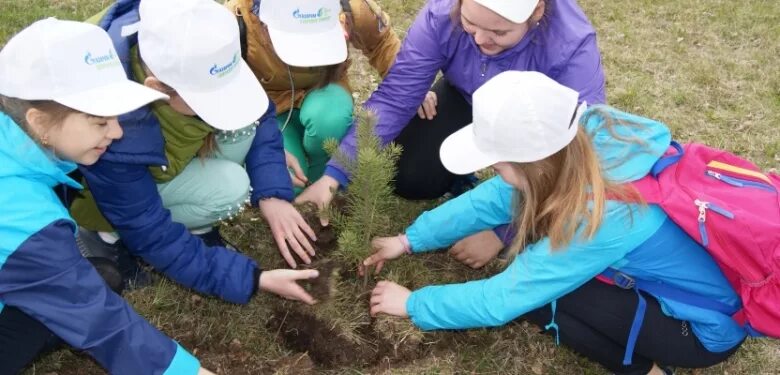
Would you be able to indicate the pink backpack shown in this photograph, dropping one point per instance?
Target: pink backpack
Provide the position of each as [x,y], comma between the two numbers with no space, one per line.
[726,204]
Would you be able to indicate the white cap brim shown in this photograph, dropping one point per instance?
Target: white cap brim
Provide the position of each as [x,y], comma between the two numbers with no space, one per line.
[233,106]
[111,100]
[460,154]
[310,49]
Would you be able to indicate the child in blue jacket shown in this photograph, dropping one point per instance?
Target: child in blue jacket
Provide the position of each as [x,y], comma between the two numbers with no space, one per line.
[61,88]
[559,169]
[185,165]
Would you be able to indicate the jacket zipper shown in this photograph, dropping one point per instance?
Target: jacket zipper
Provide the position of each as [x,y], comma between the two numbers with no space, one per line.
[702,219]
[738,182]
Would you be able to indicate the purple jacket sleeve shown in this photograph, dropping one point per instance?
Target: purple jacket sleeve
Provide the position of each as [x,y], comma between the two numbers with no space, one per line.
[49,280]
[584,73]
[404,88]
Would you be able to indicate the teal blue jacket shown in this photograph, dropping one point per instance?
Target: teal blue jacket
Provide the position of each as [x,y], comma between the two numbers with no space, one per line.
[43,274]
[638,240]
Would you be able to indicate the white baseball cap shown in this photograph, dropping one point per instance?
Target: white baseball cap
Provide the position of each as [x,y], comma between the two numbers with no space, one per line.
[517,11]
[72,63]
[194,47]
[518,117]
[305,32]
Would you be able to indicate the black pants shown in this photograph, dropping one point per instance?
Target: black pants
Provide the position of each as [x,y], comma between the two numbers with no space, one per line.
[421,175]
[595,320]
[23,339]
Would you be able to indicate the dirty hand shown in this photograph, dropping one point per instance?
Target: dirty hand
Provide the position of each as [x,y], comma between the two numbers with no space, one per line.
[320,193]
[288,227]
[478,249]
[389,298]
[296,173]
[428,108]
[284,284]
[385,248]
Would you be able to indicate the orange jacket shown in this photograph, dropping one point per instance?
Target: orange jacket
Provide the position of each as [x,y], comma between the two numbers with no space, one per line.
[371,33]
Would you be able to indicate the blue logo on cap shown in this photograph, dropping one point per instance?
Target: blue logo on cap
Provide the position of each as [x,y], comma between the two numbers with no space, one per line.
[221,71]
[101,61]
[321,15]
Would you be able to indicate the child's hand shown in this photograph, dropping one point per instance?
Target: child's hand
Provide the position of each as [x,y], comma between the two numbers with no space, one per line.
[283,283]
[389,298]
[320,193]
[296,173]
[288,226]
[478,249]
[428,108]
[385,248]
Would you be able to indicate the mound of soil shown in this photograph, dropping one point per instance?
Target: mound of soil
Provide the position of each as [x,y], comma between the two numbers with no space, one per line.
[378,342]
[303,332]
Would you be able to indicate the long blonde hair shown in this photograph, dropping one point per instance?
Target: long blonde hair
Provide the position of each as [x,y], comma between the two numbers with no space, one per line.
[562,194]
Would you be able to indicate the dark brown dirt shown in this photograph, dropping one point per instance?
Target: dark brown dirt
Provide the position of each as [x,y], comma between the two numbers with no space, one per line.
[303,332]
[326,236]
[321,288]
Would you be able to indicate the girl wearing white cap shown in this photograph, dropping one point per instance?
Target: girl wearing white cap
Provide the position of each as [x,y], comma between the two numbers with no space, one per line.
[195,161]
[468,42]
[557,164]
[61,89]
[298,50]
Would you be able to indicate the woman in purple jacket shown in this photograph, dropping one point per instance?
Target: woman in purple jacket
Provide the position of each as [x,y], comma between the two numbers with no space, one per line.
[469,41]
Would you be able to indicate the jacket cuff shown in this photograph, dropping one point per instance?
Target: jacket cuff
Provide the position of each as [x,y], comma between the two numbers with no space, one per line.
[505,233]
[339,175]
[183,363]
[256,287]
[284,194]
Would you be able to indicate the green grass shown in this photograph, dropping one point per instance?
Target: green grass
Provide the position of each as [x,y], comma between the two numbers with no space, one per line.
[708,68]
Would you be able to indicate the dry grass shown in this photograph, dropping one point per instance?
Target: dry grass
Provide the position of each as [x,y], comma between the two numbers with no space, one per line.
[708,68]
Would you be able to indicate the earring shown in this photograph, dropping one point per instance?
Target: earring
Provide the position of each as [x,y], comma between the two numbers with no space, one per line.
[45,140]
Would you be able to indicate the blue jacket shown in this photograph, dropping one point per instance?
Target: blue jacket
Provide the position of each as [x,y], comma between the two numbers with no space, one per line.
[640,241]
[127,195]
[43,274]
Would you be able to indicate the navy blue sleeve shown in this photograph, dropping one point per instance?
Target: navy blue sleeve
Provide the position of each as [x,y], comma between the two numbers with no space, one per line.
[49,280]
[127,196]
[505,233]
[265,162]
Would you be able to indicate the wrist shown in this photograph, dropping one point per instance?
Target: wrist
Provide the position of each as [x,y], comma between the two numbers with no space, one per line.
[405,242]
[330,182]
[257,275]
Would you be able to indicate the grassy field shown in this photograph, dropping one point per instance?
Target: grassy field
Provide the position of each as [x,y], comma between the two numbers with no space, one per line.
[708,68]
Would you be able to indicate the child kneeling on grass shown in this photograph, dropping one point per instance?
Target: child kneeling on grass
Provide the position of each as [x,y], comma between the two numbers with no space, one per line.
[559,174]
[160,192]
[61,88]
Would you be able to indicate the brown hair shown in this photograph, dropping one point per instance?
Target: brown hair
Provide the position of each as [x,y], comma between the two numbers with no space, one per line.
[562,193]
[17,109]
[210,145]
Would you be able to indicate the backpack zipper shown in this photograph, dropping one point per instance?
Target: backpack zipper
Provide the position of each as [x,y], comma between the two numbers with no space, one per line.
[738,182]
[702,219]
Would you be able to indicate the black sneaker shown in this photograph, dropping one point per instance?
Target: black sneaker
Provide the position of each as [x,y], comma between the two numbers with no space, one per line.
[461,185]
[213,238]
[129,266]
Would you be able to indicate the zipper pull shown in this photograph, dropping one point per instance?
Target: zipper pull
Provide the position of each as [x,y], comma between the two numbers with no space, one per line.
[714,174]
[702,219]
[483,69]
